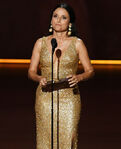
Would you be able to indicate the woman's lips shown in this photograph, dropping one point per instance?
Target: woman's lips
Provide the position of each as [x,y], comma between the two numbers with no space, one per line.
[58,24]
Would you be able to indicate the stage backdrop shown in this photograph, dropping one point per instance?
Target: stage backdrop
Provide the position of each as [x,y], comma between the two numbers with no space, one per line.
[23,22]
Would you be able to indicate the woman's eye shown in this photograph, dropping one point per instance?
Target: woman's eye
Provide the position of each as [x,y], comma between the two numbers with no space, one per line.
[55,16]
[64,17]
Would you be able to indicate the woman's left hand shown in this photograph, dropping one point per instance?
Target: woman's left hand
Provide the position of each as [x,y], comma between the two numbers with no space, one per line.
[73,80]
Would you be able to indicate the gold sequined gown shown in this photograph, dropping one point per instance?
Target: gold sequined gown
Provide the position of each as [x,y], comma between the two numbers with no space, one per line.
[69,103]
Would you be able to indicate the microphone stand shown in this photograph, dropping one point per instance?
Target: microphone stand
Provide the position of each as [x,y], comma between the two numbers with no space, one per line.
[54,45]
[52,104]
[58,54]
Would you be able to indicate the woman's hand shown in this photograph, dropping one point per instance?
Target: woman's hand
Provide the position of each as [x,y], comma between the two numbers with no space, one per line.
[73,80]
[42,81]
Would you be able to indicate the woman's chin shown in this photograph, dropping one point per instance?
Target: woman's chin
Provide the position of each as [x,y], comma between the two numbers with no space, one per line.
[59,30]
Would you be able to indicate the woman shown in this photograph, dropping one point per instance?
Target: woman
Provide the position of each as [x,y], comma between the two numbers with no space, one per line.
[73,50]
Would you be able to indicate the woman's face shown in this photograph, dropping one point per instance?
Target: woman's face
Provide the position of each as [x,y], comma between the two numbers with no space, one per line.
[60,20]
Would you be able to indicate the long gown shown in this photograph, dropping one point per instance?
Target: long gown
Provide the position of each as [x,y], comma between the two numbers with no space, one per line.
[69,103]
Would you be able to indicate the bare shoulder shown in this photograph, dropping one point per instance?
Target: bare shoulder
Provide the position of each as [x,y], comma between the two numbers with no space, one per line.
[79,42]
[38,44]
[80,46]
[48,38]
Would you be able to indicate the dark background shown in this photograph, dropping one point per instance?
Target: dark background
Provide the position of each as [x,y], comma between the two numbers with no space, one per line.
[98,23]
[24,21]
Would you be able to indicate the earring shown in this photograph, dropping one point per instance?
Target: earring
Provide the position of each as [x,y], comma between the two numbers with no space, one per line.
[50,29]
[69,32]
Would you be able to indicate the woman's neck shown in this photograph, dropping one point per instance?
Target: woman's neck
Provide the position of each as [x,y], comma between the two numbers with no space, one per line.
[60,36]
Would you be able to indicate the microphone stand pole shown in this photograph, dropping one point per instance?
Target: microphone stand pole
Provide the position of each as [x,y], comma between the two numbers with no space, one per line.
[58,54]
[54,45]
[52,103]
[58,109]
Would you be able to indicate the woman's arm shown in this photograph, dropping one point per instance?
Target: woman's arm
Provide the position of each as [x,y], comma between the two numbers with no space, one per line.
[84,59]
[32,72]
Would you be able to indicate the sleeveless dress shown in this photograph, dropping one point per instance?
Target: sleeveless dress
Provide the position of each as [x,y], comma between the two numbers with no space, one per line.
[69,103]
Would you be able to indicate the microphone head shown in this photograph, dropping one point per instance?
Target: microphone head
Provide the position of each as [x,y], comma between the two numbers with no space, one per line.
[54,44]
[58,53]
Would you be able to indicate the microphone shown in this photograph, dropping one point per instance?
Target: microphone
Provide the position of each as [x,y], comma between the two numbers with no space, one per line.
[58,53]
[54,44]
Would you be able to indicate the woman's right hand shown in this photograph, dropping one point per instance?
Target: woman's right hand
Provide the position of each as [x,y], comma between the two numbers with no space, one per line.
[42,81]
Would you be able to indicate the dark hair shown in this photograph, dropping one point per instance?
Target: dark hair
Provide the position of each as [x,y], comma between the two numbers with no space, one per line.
[71,14]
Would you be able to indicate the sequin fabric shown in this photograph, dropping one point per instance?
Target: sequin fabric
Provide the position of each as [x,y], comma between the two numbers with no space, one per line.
[69,103]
